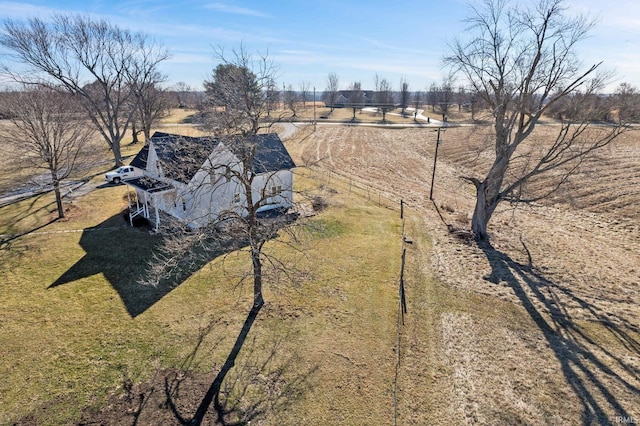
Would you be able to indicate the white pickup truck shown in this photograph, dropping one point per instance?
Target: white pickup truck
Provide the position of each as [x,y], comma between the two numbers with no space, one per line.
[122,173]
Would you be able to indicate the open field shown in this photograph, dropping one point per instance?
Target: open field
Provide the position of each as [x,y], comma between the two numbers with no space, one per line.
[571,274]
[542,328]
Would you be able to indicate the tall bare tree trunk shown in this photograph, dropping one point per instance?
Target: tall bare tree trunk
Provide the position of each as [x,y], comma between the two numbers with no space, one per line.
[117,154]
[134,132]
[255,241]
[56,191]
[488,194]
[481,213]
[258,300]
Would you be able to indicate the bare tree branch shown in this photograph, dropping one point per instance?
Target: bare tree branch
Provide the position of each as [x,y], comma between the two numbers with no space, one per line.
[521,61]
[92,59]
[48,133]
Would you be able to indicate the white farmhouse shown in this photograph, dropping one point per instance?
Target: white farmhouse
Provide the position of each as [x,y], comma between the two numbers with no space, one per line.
[196,179]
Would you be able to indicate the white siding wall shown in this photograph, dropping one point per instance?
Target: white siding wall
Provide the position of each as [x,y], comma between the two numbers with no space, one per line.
[210,192]
[152,162]
[267,182]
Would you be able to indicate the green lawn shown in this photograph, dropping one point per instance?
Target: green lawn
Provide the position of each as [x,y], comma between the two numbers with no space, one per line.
[76,327]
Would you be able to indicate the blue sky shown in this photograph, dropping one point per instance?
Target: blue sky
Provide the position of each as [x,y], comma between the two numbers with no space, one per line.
[353,38]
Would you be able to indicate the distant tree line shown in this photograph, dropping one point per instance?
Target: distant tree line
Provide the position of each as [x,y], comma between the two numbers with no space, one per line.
[114,79]
[445,97]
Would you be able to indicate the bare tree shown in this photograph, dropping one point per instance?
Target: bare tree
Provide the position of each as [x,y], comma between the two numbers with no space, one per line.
[383,95]
[291,100]
[92,59]
[627,103]
[445,96]
[272,96]
[238,98]
[151,99]
[182,90]
[418,98]
[521,60]
[356,97]
[48,133]
[461,97]
[240,161]
[432,96]
[331,91]
[152,102]
[238,92]
[405,95]
[473,103]
[304,92]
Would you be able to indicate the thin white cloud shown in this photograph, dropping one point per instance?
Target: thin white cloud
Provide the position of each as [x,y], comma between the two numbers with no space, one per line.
[17,10]
[236,10]
[349,67]
[190,58]
[140,8]
[614,14]
[389,46]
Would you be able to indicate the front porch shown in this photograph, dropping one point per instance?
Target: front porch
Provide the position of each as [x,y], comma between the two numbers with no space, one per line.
[148,193]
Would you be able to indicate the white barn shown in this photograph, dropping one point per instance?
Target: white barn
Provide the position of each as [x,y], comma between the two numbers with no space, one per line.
[195,179]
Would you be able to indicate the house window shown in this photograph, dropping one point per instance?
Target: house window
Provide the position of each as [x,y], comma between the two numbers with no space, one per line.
[171,199]
[276,190]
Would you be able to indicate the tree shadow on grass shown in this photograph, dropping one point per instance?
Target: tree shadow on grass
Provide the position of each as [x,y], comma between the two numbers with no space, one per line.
[600,377]
[28,211]
[264,381]
[122,253]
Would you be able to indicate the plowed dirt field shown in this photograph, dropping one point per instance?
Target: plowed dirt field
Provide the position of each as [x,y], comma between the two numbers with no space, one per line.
[570,265]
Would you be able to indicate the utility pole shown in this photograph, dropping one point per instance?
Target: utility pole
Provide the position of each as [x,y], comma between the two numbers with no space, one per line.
[314,108]
[435,159]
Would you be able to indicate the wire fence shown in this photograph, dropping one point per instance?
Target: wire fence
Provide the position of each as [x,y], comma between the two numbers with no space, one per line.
[349,185]
[402,311]
[332,180]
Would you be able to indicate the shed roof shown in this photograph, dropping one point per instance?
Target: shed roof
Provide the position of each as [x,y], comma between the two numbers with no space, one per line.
[149,184]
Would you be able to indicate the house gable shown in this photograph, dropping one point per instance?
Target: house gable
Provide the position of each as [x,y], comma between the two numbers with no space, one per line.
[188,177]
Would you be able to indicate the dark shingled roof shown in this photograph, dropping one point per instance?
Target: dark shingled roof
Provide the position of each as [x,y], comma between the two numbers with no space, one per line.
[140,160]
[180,157]
[149,184]
[270,154]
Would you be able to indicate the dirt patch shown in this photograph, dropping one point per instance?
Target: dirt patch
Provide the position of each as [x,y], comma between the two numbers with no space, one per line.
[71,212]
[170,397]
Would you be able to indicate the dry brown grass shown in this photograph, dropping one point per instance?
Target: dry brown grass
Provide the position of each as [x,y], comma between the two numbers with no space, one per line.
[546,329]
[542,329]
